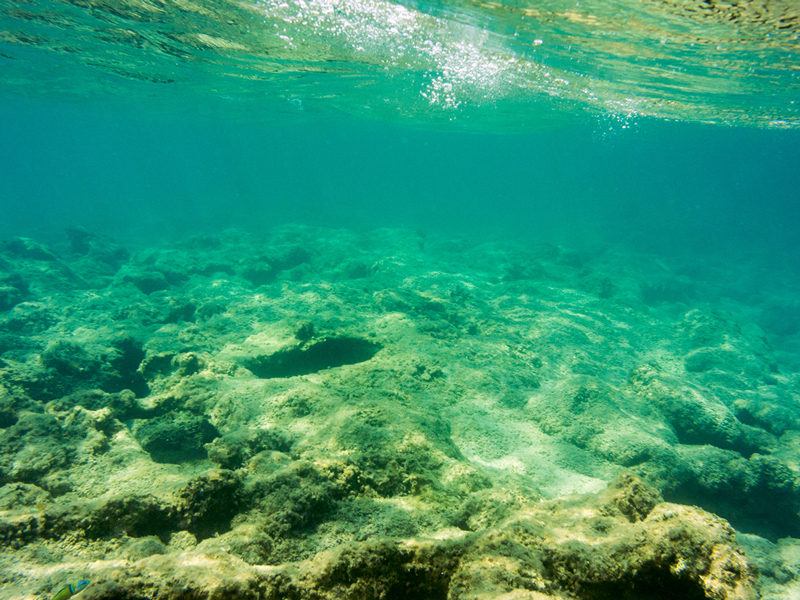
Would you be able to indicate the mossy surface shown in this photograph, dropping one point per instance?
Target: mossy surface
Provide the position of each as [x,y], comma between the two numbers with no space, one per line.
[321,414]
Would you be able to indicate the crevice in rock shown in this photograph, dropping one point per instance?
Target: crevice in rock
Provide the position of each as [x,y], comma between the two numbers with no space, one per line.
[131,355]
[769,515]
[305,358]
[651,582]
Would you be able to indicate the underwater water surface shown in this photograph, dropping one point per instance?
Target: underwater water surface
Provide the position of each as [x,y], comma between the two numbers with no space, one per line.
[307,284]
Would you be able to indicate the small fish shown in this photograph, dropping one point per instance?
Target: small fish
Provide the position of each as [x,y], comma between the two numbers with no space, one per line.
[70,590]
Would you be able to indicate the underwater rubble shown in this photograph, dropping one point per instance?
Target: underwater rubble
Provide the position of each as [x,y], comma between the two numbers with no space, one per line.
[323,414]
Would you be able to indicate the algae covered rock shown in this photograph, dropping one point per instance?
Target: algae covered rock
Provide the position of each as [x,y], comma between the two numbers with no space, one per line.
[234,449]
[175,437]
[122,406]
[26,248]
[317,415]
[10,296]
[759,493]
[632,497]
[29,318]
[209,503]
[101,250]
[32,448]
[695,417]
[69,366]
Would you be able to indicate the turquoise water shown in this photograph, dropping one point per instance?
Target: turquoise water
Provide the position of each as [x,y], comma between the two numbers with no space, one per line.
[551,119]
[662,120]
[132,169]
[568,230]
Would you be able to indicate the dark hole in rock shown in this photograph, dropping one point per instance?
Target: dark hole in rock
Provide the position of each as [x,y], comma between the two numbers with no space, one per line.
[769,509]
[390,572]
[419,583]
[9,296]
[303,359]
[210,503]
[175,437]
[651,582]
[131,355]
[149,282]
[260,274]
[7,419]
